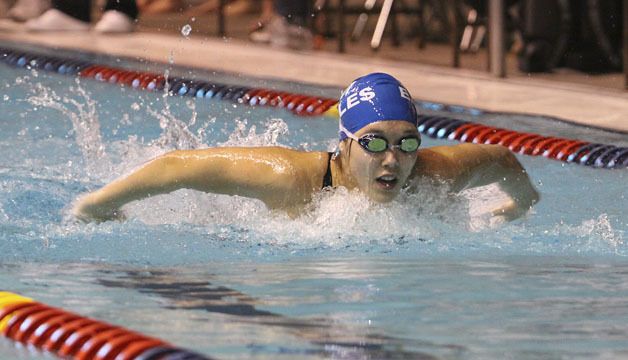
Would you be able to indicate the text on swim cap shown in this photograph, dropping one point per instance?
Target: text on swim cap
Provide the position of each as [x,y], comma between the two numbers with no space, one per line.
[367,94]
[405,93]
[354,99]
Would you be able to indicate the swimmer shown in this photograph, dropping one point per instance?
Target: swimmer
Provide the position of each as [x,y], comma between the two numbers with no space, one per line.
[378,155]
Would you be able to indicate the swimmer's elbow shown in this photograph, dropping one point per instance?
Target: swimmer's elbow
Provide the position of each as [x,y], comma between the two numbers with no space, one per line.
[508,159]
[486,164]
[494,158]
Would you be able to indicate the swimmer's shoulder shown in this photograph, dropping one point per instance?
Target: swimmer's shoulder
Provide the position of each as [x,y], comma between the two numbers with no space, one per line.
[307,168]
[304,166]
[306,171]
[307,160]
[276,152]
[433,162]
[449,162]
[311,165]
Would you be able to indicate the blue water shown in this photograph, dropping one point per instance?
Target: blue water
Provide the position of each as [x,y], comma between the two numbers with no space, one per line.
[419,278]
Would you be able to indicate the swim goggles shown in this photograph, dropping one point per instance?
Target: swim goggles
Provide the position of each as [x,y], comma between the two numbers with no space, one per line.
[376,143]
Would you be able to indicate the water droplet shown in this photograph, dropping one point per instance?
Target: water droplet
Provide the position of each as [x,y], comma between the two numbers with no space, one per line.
[135,106]
[6,98]
[186,30]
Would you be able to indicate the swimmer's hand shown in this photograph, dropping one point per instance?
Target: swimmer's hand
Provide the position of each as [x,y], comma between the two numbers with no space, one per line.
[510,211]
[522,195]
[86,210]
[467,166]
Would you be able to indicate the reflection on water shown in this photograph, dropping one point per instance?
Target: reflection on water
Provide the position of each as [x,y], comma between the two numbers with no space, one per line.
[354,307]
[335,341]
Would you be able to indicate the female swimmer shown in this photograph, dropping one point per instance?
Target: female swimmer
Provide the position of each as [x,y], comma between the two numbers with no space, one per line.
[378,154]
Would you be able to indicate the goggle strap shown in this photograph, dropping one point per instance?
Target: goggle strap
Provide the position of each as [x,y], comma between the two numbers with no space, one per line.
[347,132]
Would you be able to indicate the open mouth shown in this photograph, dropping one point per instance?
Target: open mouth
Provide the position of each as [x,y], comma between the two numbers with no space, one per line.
[387,181]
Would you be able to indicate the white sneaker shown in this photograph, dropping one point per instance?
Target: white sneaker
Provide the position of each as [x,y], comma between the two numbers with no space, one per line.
[278,30]
[113,21]
[55,20]
[260,36]
[291,36]
[28,9]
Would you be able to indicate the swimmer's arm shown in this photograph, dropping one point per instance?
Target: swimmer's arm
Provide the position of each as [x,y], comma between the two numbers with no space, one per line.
[158,176]
[467,166]
[252,172]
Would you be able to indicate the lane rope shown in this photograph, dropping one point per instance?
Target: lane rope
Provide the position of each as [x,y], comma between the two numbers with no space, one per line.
[439,127]
[72,336]
[567,150]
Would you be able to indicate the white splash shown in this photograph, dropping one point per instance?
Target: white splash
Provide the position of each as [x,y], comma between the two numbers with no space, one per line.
[85,124]
[186,30]
[3,214]
[176,133]
[274,129]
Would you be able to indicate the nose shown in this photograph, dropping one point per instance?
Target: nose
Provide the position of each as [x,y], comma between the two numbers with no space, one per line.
[390,160]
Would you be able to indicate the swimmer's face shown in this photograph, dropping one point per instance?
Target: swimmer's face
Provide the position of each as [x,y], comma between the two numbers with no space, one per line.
[382,175]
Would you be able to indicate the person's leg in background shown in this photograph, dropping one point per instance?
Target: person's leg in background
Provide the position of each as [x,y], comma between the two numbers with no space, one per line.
[294,11]
[5,5]
[291,29]
[160,6]
[23,10]
[78,9]
[75,15]
[267,12]
[259,31]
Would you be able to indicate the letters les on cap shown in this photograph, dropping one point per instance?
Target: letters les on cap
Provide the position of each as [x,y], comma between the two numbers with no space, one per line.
[374,97]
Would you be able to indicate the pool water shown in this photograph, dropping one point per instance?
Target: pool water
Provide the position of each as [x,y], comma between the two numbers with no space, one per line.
[420,278]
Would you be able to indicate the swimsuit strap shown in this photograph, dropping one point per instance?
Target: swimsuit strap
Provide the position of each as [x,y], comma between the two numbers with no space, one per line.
[327,177]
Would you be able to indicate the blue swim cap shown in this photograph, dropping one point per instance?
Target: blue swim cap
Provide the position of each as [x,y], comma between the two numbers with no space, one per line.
[371,98]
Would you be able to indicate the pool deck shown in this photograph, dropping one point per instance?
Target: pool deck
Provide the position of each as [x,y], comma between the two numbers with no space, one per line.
[590,105]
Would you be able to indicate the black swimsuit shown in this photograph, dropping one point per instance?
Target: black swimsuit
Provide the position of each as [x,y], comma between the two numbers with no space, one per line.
[327,177]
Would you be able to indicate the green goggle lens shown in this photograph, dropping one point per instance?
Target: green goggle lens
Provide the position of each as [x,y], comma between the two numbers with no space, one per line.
[409,144]
[377,145]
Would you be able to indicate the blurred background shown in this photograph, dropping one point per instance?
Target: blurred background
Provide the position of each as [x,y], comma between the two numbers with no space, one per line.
[580,41]
[567,40]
